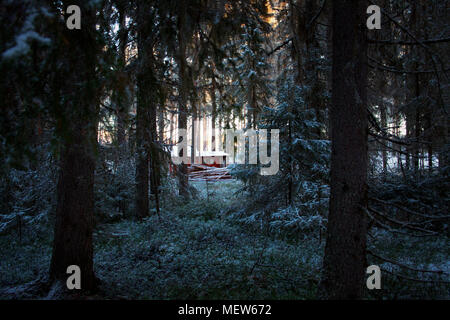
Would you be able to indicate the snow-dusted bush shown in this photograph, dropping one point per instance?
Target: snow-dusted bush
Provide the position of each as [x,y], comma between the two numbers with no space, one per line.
[296,198]
[114,185]
[29,198]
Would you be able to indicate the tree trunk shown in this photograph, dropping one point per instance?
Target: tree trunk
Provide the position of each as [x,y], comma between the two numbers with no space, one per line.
[121,94]
[213,113]
[143,116]
[72,244]
[154,156]
[345,251]
[182,94]
[417,128]
[194,130]
[383,118]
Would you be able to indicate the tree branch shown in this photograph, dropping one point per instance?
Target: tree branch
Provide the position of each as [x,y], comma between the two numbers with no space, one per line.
[410,43]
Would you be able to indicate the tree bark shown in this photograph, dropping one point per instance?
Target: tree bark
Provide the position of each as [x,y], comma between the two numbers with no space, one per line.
[120,95]
[383,118]
[72,244]
[182,93]
[213,112]
[143,116]
[345,251]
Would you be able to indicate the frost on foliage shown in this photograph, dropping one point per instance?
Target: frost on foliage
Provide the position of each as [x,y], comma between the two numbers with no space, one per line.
[30,198]
[22,40]
[304,163]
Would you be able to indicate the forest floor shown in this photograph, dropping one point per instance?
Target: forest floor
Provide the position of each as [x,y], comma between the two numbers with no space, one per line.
[194,251]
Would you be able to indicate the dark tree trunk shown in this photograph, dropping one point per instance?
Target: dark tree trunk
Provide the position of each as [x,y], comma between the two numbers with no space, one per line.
[193,129]
[408,149]
[291,173]
[383,118]
[251,107]
[154,157]
[121,101]
[345,251]
[74,212]
[143,117]
[417,128]
[213,113]
[430,140]
[183,93]
[72,244]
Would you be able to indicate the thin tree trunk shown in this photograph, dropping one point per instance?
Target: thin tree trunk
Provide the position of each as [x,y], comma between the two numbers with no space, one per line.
[417,130]
[143,117]
[121,103]
[182,94]
[383,118]
[430,139]
[154,157]
[213,113]
[194,129]
[291,173]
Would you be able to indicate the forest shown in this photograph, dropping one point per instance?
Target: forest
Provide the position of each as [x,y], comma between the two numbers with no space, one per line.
[224,149]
